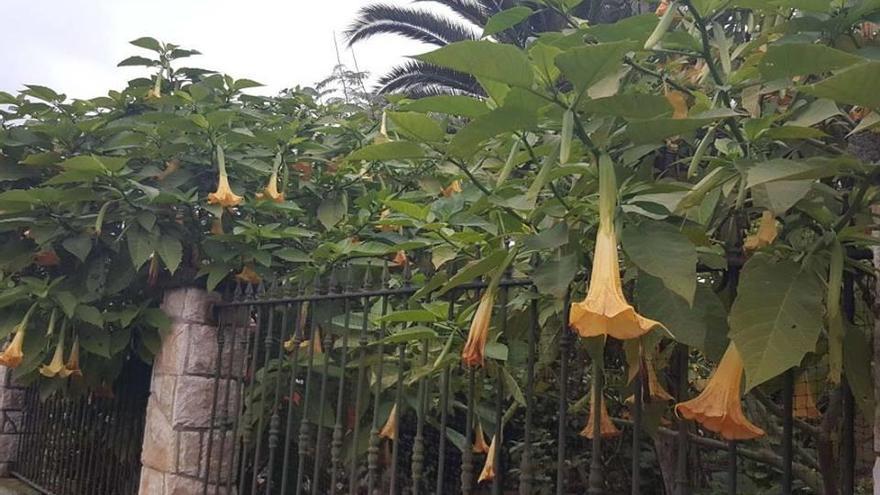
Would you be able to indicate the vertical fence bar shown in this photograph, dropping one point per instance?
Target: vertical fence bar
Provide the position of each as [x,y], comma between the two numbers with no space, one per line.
[638,393]
[498,479]
[322,400]
[373,449]
[212,423]
[732,468]
[562,411]
[275,419]
[247,430]
[398,402]
[363,341]
[267,353]
[303,440]
[292,390]
[444,409]
[681,477]
[526,471]
[336,444]
[596,478]
[242,319]
[418,451]
[847,434]
[787,430]
[467,457]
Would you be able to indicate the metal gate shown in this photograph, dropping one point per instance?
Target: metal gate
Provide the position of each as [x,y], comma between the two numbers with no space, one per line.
[87,445]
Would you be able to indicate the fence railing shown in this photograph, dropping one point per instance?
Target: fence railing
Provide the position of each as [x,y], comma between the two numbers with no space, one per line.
[88,444]
[342,387]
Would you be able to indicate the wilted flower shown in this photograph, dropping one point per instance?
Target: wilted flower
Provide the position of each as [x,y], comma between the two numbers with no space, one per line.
[804,403]
[607,428]
[248,275]
[474,350]
[72,366]
[171,166]
[389,430]
[452,188]
[223,196]
[47,257]
[766,234]
[657,392]
[719,407]
[488,472]
[605,310]
[13,354]
[480,446]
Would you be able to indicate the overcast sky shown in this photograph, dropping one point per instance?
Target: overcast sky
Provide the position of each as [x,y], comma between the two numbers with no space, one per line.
[73,46]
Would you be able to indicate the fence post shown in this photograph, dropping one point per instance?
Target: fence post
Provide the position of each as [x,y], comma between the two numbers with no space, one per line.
[183,390]
[11,407]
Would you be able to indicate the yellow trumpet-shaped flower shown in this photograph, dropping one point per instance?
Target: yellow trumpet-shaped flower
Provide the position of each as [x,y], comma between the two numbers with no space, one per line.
[607,428]
[389,430]
[56,366]
[400,259]
[657,392]
[72,366]
[223,196]
[480,446]
[605,310]
[765,235]
[474,350]
[13,354]
[719,406]
[452,188]
[315,342]
[488,472]
[383,131]
[804,403]
[248,275]
[271,190]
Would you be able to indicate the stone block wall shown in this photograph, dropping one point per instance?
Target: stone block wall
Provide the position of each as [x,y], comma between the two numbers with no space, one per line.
[11,406]
[182,397]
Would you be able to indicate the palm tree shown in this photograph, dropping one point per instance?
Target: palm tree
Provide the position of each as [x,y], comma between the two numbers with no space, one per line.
[417,79]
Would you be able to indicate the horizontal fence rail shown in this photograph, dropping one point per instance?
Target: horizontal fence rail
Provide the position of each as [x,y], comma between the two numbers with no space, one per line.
[344,387]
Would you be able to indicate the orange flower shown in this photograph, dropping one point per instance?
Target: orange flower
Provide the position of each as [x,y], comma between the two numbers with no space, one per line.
[171,166]
[719,406]
[304,169]
[766,234]
[657,392]
[452,188]
[607,428]
[248,275]
[605,310]
[480,446]
[389,430]
[47,257]
[400,259]
[804,403]
[315,342]
[72,366]
[271,190]
[474,350]
[488,472]
[223,196]
[662,8]
[679,104]
[13,354]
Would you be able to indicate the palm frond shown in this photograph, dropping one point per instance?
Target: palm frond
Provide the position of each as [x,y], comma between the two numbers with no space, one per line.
[472,11]
[420,78]
[415,24]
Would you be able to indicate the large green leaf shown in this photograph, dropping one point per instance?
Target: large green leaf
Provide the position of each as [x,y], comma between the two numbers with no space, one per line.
[331,210]
[586,65]
[791,170]
[856,85]
[630,106]
[506,19]
[797,59]
[417,125]
[464,106]
[140,246]
[655,130]
[777,316]
[394,150]
[504,119]
[662,251]
[171,252]
[702,326]
[499,62]
[554,277]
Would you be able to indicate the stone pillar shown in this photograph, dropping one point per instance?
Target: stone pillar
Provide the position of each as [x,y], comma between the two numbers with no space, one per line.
[11,406]
[182,397]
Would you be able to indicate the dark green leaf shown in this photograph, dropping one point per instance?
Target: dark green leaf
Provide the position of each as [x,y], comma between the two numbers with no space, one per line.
[171,252]
[586,65]
[857,85]
[554,277]
[464,106]
[394,150]
[417,125]
[501,120]
[662,251]
[79,246]
[798,59]
[499,62]
[147,43]
[506,19]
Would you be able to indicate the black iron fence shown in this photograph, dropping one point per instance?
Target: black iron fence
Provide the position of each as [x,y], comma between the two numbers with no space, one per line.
[358,388]
[87,444]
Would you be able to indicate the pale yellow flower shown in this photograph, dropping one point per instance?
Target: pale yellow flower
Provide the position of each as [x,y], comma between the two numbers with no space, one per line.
[474,351]
[223,196]
[765,235]
[389,430]
[480,446]
[271,190]
[72,366]
[719,406]
[13,354]
[607,428]
[452,188]
[488,472]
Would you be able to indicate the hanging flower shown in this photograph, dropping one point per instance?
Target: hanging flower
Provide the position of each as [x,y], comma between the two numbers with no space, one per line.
[56,366]
[223,196]
[383,131]
[452,188]
[384,227]
[171,166]
[605,310]
[72,366]
[47,257]
[607,428]
[766,234]
[804,403]
[657,392]
[719,406]
[271,190]
[389,430]
[248,275]
[315,342]
[400,259]
[480,446]
[156,91]
[153,271]
[13,354]
[488,472]
[474,350]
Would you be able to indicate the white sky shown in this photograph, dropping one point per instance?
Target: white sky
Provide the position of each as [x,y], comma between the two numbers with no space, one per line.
[73,46]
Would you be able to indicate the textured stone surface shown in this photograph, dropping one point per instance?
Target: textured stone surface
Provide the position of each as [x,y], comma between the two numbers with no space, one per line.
[190,305]
[152,482]
[160,441]
[189,451]
[172,357]
[8,446]
[11,404]
[222,458]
